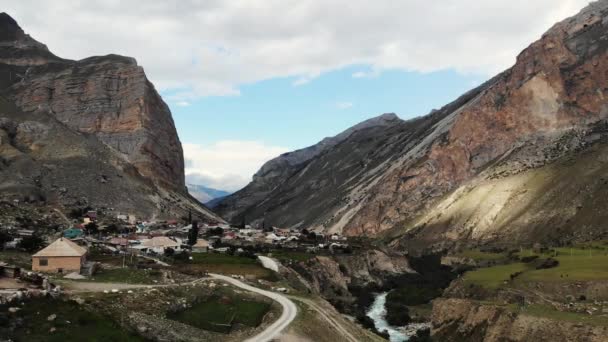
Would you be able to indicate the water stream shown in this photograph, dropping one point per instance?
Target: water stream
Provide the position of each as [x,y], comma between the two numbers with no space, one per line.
[377,313]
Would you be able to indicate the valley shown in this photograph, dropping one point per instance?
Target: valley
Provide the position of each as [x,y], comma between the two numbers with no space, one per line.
[483,220]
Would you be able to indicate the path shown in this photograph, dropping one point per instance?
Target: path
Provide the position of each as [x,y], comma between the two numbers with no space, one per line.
[289,313]
[327,317]
[68,222]
[85,286]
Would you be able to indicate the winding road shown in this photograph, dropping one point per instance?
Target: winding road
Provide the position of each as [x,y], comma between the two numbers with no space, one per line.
[290,310]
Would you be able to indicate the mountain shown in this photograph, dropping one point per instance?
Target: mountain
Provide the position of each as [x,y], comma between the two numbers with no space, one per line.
[521,158]
[92,132]
[205,194]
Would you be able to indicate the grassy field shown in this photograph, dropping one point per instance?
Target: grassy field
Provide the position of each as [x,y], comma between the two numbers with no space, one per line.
[17,258]
[73,323]
[581,263]
[549,312]
[218,314]
[224,264]
[478,255]
[284,256]
[574,265]
[126,275]
[493,277]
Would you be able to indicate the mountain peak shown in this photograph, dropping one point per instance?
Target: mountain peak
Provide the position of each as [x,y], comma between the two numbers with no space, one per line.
[9,29]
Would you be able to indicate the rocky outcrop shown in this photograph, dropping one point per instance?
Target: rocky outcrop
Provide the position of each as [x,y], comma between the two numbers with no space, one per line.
[424,178]
[334,276]
[465,320]
[92,132]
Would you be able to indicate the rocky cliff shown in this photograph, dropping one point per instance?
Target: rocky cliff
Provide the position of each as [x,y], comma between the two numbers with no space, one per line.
[481,169]
[89,132]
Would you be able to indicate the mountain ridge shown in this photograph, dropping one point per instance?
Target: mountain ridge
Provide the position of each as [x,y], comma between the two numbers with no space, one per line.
[554,91]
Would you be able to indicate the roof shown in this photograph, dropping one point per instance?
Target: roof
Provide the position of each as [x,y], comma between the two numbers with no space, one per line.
[200,243]
[62,247]
[118,241]
[160,241]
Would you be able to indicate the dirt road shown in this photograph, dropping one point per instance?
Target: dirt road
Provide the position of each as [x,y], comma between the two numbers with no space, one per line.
[289,313]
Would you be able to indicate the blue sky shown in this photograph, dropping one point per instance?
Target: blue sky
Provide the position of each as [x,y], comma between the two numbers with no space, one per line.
[278,112]
[248,80]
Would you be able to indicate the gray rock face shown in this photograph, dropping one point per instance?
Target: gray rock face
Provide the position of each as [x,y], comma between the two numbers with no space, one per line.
[495,166]
[91,132]
[276,171]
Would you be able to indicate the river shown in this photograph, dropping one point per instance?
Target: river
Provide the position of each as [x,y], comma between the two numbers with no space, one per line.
[377,313]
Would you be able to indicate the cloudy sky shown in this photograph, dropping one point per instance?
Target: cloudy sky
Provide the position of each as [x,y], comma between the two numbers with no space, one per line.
[249,79]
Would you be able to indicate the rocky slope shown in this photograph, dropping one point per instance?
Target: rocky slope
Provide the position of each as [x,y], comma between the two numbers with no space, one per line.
[465,320]
[90,132]
[480,170]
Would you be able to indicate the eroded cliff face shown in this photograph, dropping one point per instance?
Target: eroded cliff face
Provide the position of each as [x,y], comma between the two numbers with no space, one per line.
[557,85]
[465,320]
[107,96]
[86,133]
[333,277]
[407,177]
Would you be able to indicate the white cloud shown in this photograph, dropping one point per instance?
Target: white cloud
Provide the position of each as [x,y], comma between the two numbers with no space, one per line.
[199,48]
[183,103]
[227,164]
[344,105]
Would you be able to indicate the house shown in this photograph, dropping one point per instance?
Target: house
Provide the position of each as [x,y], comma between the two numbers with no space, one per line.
[72,233]
[201,246]
[92,215]
[158,244]
[61,256]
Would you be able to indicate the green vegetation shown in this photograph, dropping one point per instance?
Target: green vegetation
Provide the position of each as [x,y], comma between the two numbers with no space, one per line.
[127,275]
[549,312]
[575,264]
[220,313]
[479,255]
[221,259]
[223,264]
[581,263]
[17,258]
[73,323]
[493,277]
[285,256]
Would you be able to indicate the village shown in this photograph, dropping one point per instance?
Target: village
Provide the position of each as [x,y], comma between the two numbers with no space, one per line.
[118,257]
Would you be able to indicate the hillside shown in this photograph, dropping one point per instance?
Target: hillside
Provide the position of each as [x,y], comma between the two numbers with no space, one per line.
[518,159]
[82,133]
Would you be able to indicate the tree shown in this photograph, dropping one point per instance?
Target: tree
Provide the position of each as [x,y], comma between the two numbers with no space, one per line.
[31,243]
[193,234]
[4,238]
[91,227]
[169,251]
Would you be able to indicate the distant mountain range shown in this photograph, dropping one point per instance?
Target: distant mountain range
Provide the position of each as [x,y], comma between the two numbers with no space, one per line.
[206,195]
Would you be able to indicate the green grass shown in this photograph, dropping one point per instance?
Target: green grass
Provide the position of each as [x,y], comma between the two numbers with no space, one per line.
[224,264]
[83,325]
[574,265]
[478,255]
[493,277]
[223,259]
[17,258]
[217,314]
[291,256]
[549,312]
[126,275]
